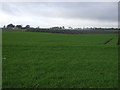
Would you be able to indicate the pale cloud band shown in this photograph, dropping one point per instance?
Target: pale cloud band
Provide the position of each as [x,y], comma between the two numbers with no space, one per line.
[48,14]
[59,0]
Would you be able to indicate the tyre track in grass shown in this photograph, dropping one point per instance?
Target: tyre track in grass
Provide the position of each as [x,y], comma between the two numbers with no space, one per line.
[106,42]
[119,40]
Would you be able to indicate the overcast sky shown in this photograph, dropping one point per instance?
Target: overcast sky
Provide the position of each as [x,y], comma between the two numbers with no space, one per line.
[50,14]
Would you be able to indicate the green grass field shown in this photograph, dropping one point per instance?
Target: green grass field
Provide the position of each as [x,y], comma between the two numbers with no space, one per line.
[49,60]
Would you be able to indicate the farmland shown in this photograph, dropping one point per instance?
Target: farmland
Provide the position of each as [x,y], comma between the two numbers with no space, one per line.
[50,60]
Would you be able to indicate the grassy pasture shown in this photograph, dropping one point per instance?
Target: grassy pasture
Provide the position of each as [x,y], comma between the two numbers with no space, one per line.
[47,60]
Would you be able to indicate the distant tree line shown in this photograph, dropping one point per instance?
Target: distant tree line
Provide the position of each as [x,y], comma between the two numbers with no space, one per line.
[69,31]
[62,29]
[54,30]
[15,27]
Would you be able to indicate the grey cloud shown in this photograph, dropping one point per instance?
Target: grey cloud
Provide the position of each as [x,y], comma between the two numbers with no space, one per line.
[87,10]
[92,11]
